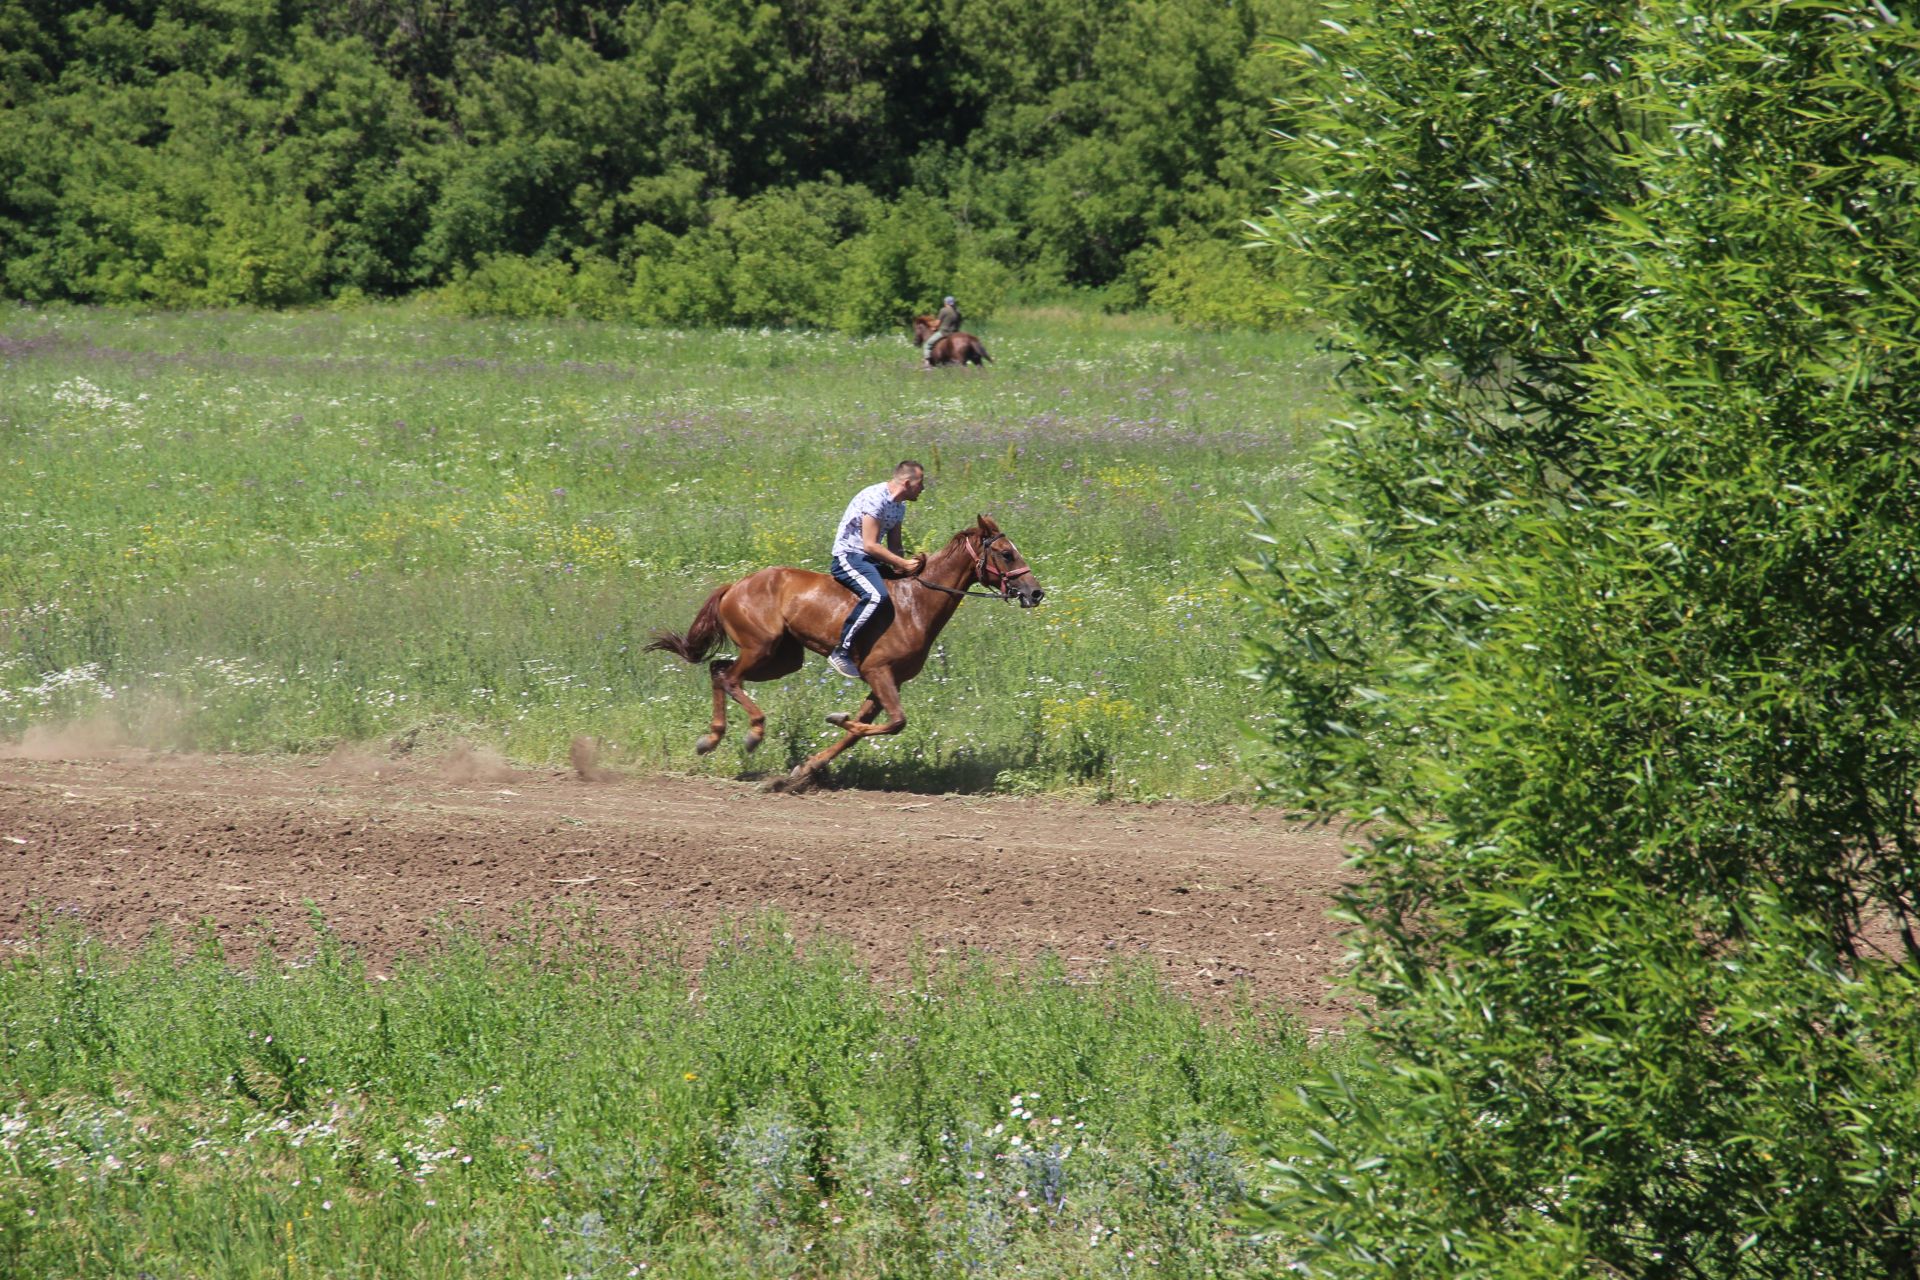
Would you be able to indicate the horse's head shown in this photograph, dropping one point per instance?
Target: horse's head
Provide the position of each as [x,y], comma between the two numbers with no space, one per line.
[922,326]
[998,565]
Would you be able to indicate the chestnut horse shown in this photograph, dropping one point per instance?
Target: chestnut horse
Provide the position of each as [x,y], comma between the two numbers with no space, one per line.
[774,616]
[955,348]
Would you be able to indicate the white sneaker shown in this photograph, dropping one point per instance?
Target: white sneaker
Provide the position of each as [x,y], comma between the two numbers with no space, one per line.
[842,661]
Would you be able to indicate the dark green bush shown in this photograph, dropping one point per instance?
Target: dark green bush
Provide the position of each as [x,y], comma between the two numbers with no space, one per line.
[186,153]
[1614,646]
[819,255]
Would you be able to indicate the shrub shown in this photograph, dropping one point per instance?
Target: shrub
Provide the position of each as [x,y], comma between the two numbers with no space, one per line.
[1215,282]
[1614,645]
[514,287]
[818,255]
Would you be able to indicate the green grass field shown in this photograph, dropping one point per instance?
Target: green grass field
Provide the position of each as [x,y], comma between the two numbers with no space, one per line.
[550,1109]
[279,532]
[274,532]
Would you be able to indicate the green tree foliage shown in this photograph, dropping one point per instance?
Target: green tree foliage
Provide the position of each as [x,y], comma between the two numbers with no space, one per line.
[1615,646]
[274,151]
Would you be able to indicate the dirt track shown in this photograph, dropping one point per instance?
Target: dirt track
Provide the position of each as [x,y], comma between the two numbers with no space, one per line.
[1212,894]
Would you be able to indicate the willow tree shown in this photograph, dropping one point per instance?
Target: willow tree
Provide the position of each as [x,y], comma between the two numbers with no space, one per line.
[1613,644]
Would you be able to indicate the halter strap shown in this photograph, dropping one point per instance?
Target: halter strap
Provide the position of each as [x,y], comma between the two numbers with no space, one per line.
[980,567]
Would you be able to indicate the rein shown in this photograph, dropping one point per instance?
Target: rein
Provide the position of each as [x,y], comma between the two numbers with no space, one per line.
[1004,594]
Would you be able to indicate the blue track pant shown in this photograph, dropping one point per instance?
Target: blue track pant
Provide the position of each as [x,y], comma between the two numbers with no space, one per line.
[860,575]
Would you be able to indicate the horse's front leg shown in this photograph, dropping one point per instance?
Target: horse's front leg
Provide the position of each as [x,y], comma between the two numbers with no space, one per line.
[886,694]
[868,710]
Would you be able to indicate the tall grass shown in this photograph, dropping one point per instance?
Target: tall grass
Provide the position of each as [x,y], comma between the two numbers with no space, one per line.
[265,532]
[549,1109]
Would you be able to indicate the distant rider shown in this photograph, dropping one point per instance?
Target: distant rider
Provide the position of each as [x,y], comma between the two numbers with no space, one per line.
[946,324]
[875,513]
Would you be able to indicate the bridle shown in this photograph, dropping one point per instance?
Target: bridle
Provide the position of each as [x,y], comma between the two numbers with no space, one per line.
[980,570]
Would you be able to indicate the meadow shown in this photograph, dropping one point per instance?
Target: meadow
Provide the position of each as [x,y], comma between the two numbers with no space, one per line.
[275,532]
[551,1108]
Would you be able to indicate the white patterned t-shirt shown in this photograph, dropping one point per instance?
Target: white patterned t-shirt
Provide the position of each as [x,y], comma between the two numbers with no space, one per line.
[875,501]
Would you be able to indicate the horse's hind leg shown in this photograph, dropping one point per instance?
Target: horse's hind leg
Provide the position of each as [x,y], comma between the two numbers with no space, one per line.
[782,659]
[717,727]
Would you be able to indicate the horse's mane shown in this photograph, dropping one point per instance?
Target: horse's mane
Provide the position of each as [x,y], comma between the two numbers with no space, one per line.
[970,531]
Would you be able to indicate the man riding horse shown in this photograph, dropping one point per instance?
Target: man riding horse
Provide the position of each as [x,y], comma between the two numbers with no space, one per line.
[875,513]
[945,325]
[774,617]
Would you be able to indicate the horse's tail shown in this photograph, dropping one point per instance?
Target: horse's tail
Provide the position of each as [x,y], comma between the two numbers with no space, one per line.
[699,639]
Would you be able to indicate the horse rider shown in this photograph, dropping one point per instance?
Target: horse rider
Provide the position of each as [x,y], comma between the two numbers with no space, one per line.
[858,552]
[945,324]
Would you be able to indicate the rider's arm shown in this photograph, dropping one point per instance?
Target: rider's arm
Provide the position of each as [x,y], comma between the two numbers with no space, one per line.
[870,543]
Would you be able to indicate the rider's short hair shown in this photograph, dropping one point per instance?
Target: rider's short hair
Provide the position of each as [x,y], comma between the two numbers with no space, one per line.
[907,466]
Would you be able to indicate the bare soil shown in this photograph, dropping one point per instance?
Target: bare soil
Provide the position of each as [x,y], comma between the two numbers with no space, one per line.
[390,851]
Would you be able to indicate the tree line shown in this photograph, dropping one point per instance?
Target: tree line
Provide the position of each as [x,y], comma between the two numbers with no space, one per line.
[693,161]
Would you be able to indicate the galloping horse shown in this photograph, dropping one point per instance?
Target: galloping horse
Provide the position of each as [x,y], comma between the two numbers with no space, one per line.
[774,616]
[955,348]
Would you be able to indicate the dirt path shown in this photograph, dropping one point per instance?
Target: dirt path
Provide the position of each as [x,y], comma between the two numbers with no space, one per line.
[1213,894]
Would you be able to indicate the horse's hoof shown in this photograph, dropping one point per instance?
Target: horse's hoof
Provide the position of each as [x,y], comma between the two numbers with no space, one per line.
[705,745]
[839,719]
[754,740]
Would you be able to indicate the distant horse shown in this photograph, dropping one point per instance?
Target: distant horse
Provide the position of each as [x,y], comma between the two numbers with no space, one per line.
[955,348]
[774,616]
